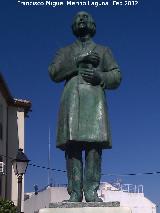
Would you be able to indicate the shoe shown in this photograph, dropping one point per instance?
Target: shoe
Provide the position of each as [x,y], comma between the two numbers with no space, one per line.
[92,196]
[74,197]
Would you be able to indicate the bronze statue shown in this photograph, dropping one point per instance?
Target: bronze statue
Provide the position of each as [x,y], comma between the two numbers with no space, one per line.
[87,69]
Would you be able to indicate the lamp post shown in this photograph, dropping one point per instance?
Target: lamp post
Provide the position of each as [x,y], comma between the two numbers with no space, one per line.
[20,165]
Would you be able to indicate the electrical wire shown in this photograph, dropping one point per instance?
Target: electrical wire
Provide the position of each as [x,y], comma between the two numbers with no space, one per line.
[103,174]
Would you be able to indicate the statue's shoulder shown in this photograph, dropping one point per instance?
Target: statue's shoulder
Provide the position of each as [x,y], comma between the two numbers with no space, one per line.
[102,47]
[69,46]
[66,49]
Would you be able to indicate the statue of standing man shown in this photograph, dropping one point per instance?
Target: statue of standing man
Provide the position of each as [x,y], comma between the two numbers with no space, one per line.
[87,69]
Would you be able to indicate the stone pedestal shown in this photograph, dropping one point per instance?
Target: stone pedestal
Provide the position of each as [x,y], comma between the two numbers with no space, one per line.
[105,207]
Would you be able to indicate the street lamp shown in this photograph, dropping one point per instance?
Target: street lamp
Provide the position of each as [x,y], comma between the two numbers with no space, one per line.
[20,165]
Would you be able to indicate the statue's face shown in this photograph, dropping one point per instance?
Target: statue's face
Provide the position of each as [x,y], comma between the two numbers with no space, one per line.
[82,23]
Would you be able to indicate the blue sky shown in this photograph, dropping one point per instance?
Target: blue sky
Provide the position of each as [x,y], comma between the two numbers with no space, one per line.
[30,37]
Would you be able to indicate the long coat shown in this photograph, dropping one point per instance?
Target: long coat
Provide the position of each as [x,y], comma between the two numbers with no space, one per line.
[83,116]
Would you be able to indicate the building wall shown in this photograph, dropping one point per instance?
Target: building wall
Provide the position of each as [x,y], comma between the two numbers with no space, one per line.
[13,132]
[3,119]
[135,201]
[57,192]
[18,143]
[44,198]
[37,202]
[12,147]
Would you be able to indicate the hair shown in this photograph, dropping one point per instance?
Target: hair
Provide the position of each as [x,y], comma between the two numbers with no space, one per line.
[91,29]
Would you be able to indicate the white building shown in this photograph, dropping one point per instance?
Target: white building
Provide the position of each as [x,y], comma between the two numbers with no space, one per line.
[127,194]
[12,115]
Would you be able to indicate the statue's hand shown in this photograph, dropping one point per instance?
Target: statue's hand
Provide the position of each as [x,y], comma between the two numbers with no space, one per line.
[88,58]
[93,58]
[91,75]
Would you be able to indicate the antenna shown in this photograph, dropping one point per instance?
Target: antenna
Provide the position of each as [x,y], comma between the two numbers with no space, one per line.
[49,157]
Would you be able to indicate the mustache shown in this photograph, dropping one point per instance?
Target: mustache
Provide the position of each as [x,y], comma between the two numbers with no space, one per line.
[82,22]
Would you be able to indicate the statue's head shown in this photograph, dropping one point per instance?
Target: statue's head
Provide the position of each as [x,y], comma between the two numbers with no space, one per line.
[83,24]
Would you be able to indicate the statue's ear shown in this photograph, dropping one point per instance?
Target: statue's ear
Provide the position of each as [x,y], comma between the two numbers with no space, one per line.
[73,28]
[92,29]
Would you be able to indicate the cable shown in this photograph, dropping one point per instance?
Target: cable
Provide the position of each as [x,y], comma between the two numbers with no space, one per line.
[35,165]
[103,174]
[133,174]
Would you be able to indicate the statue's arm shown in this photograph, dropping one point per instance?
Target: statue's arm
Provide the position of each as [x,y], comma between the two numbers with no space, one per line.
[61,67]
[111,76]
[55,69]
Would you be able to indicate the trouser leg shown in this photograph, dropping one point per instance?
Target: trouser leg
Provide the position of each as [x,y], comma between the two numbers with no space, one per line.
[74,172]
[92,173]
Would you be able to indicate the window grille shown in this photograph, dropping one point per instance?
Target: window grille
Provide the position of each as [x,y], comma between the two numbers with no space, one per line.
[2,168]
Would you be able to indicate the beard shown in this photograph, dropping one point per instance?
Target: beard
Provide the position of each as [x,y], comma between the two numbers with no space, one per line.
[82,28]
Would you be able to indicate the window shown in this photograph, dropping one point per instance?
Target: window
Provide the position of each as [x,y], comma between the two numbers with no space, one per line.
[1,122]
